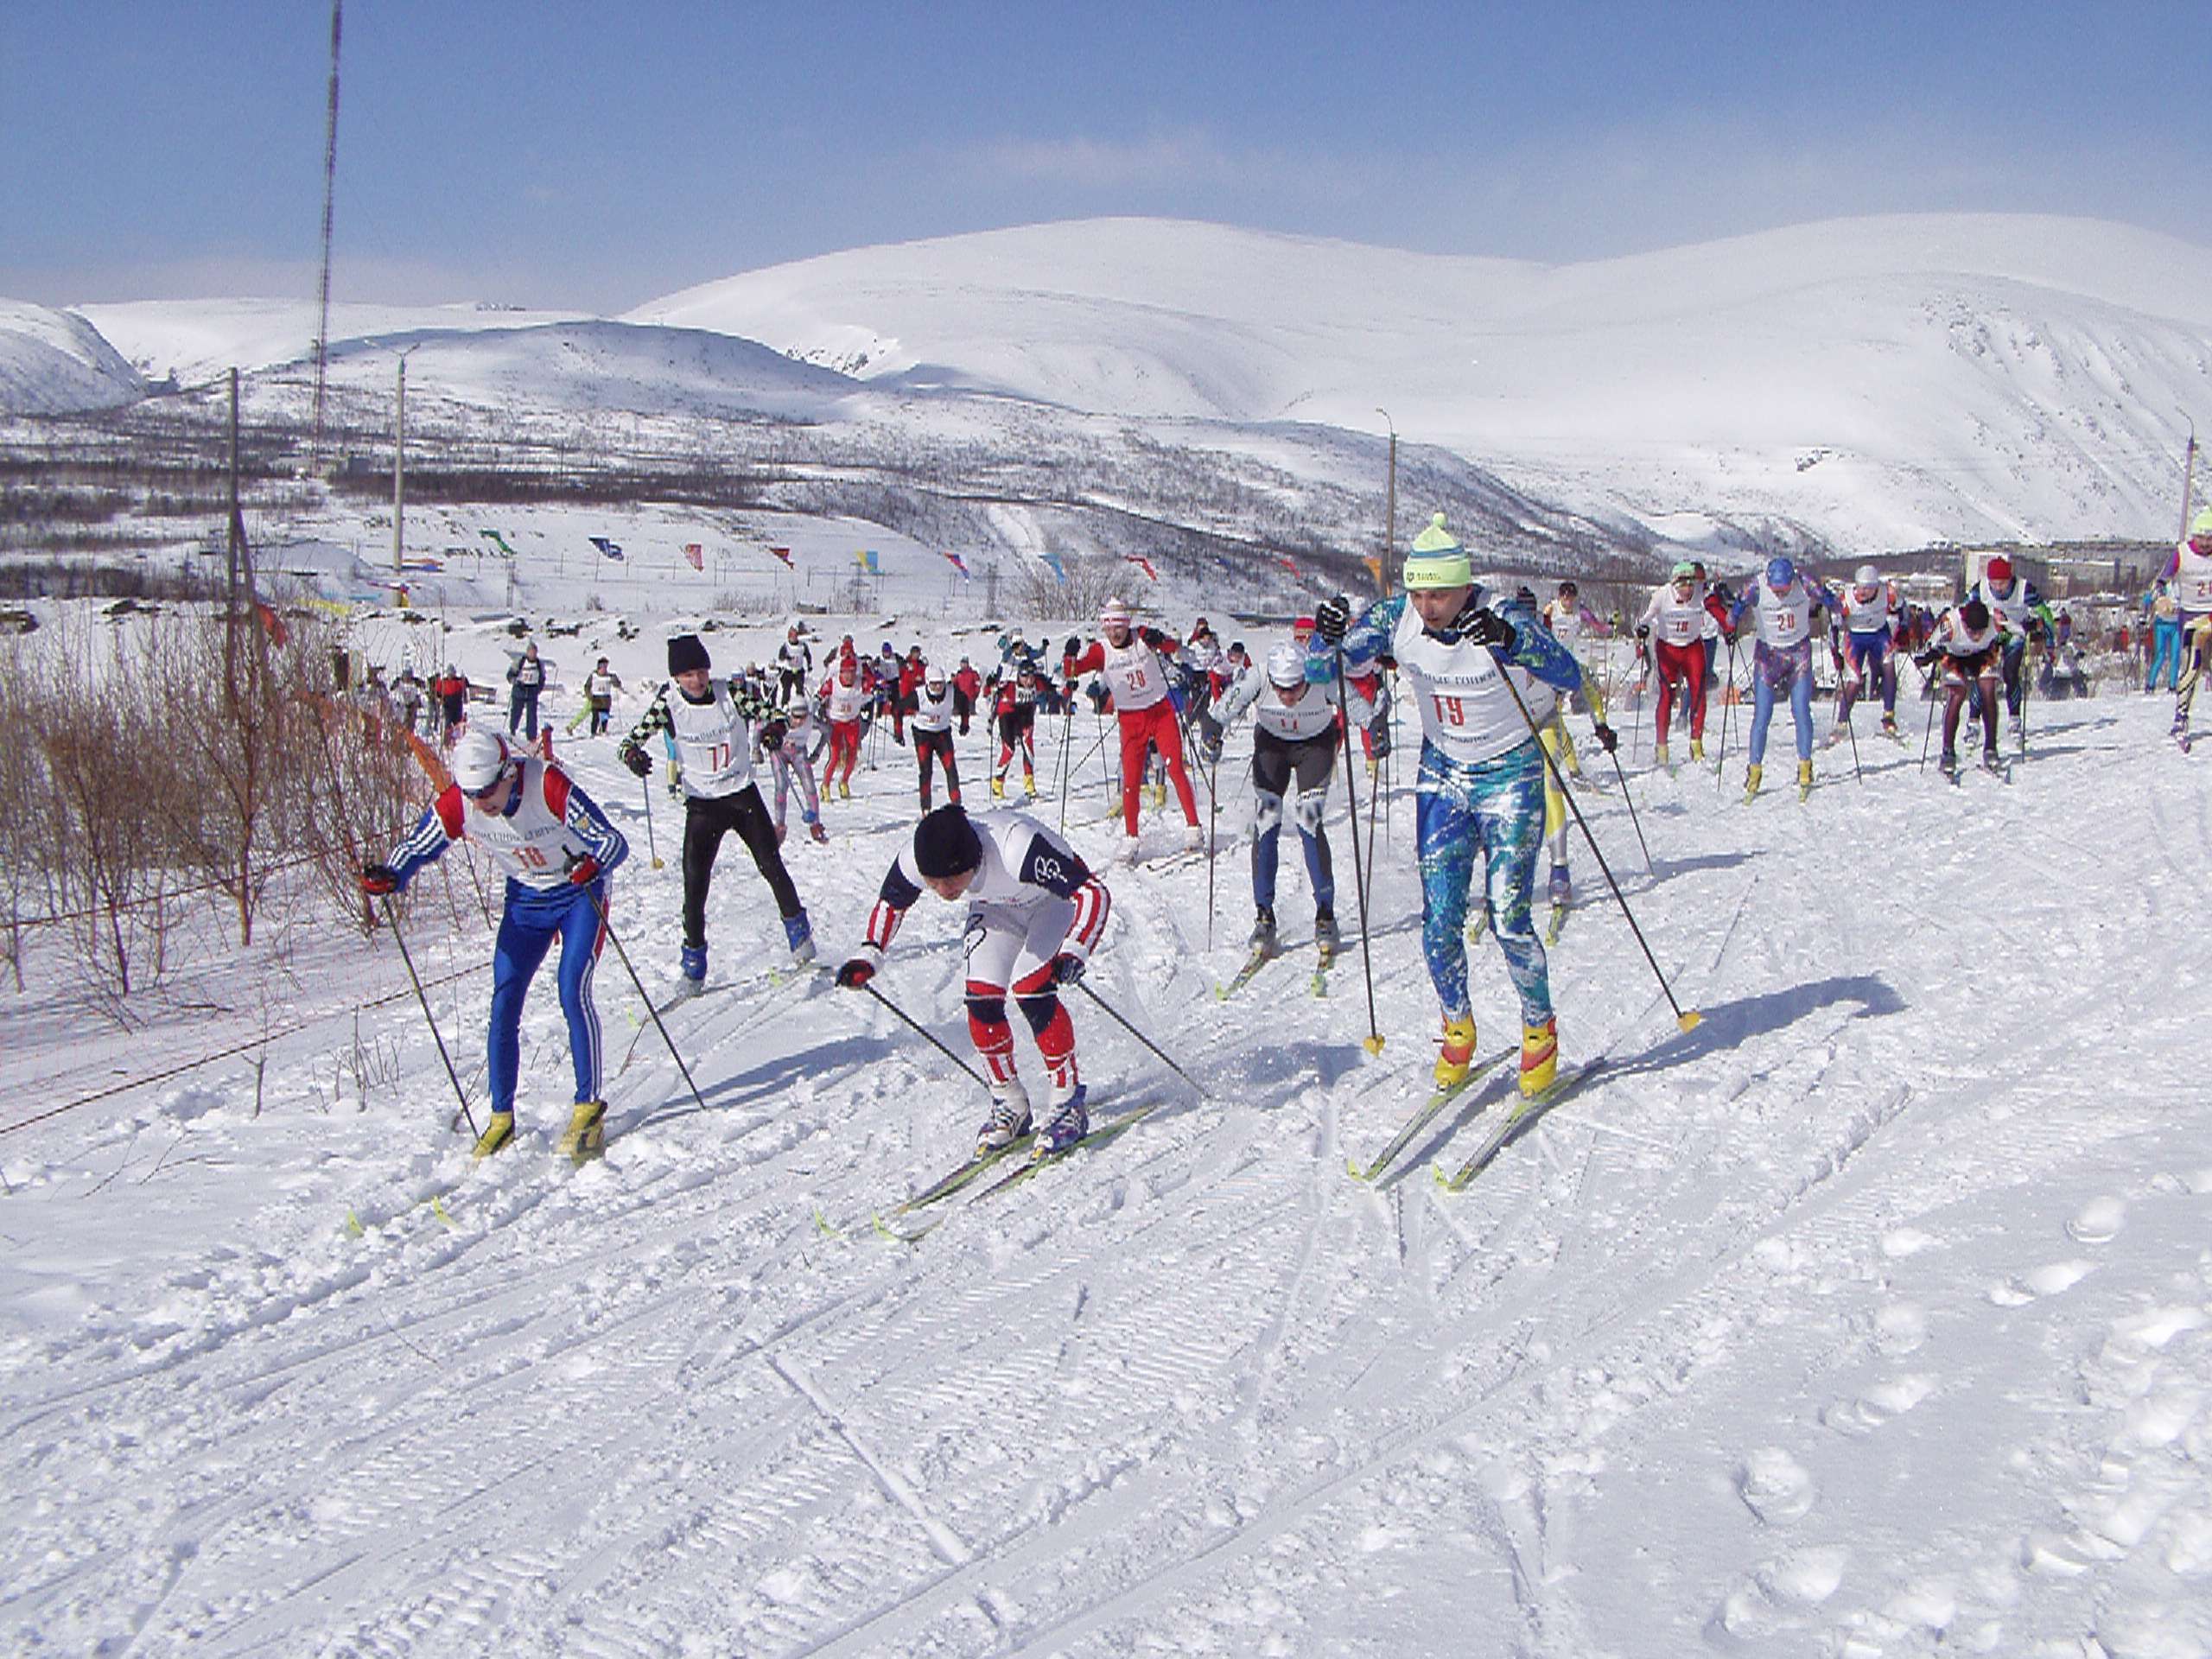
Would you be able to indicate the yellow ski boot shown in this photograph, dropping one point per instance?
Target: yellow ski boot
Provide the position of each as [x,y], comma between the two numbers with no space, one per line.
[1659,754]
[1458,1054]
[1752,784]
[1804,778]
[499,1129]
[998,789]
[1697,748]
[1029,784]
[1539,1058]
[844,789]
[585,1138]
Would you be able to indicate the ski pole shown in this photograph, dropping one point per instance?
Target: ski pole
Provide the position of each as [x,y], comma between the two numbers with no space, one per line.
[614,939]
[1727,703]
[392,916]
[646,783]
[1686,1019]
[1927,690]
[1115,1014]
[1067,725]
[1373,1041]
[1852,728]
[1213,826]
[930,1036]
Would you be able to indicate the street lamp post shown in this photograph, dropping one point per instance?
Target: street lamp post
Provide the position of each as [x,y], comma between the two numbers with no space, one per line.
[1390,510]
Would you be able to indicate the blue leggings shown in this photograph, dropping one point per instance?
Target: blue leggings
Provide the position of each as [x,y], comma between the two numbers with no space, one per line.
[1876,663]
[1496,809]
[2166,641]
[533,918]
[1771,669]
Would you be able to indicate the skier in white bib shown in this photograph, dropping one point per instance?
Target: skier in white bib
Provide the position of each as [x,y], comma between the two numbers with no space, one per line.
[708,728]
[1480,791]
[1294,742]
[1781,605]
[556,849]
[1035,913]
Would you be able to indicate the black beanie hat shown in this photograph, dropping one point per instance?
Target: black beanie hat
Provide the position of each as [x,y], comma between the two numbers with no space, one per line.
[945,843]
[685,652]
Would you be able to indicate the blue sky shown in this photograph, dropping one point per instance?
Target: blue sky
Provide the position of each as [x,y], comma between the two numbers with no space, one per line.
[599,155]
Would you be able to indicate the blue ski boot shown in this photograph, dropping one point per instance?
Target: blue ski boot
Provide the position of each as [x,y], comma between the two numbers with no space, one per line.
[1068,1124]
[801,937]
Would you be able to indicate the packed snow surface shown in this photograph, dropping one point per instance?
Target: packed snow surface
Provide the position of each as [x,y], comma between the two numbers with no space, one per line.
[1872,1316]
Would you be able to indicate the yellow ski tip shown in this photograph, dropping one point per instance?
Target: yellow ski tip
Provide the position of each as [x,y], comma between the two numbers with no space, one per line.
[1690,1019]
[438,1208]
[1352,1169]
[1372,1043]
[354,1225]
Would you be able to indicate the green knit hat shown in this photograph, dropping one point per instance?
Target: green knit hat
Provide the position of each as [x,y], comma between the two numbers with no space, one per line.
[2200,526]
[1438,560]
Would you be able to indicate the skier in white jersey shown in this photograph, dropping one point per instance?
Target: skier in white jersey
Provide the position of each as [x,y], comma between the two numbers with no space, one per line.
[1781,604]
[1871,611]
[1968,642]
[930,707]
[2189,573]
[1035,913]
[790,764]
[556,849]
[1294,741]
[1673,627]
[1571,623]
[2016,607]
[794,663]
[707,729]
[1134,663]
[1480,791]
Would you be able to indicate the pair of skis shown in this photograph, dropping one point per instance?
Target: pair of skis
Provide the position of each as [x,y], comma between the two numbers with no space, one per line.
[1521,1112]
[1262,956]
[891,1223]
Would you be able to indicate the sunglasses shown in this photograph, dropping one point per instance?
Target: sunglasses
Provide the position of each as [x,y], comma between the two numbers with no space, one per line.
[490,789]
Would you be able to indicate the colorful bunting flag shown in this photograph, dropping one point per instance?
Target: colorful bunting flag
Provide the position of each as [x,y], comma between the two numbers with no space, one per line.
[606,547]
[785,554]
[1143,564]
[865,559]
[955,560]
[1052,563]
[696,554]
[499,542]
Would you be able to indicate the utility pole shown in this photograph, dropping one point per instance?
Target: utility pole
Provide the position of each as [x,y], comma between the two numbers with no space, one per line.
[399,467]
[2187,475]
[1390,511]
[329,201]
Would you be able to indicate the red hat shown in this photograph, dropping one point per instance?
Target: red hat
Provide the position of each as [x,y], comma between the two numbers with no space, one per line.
[1304,625]
[2000,569]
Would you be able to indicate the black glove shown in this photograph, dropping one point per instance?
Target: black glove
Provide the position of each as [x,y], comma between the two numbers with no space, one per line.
[636,759]
[1154,637]
[1209,736]
[379,880]
[1333,619]
[1067,968]
[1926,659]
[855,973]
[1486,628]
[1644,630]
[1725,594]
[1608,740]
[772,735]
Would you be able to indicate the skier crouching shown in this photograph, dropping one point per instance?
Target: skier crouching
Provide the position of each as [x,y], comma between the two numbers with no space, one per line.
[1480,789]
[1035,912]
[556,849]
[1294,742]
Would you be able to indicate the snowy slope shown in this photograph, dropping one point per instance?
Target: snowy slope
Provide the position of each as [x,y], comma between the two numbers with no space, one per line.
[1873,1317]
[195,339]
[55,363]
[1893,379]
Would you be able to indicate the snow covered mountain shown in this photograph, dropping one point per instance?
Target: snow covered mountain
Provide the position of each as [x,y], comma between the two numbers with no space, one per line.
[56,363]
[1870,383]
[1890,380]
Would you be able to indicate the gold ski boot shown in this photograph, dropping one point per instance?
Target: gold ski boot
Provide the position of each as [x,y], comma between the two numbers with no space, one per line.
[1751,784]
[1457,1055]
[499,1129]
[585,1138]
[1804,778]
[1539,1058]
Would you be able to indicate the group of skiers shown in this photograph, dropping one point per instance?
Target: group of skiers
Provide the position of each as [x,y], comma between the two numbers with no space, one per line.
[1492,676]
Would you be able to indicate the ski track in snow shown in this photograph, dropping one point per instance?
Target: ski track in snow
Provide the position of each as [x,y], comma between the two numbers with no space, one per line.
[1870,1317]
